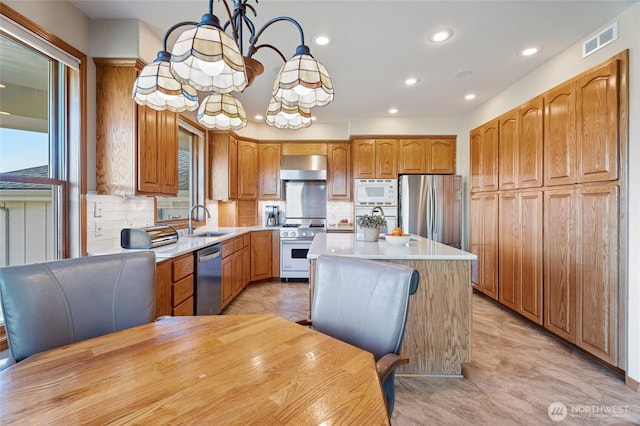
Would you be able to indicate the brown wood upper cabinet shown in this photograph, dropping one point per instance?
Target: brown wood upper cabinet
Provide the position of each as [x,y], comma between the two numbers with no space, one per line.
[508,150]
[247,170]
[560,135]
[339,171]
[375,158]
[484,157]
[269,156]
[433,155]
[136,147]
[223,166]
[412,156]
[441,155]
[597,123]
[529,149]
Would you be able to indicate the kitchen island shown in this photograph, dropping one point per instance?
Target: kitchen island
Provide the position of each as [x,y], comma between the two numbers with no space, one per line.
[438,333]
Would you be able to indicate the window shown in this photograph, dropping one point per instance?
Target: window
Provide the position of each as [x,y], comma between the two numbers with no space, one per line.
[41,144]
[175,210]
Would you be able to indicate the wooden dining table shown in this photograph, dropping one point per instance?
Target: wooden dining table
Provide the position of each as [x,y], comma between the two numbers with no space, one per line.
[221,369]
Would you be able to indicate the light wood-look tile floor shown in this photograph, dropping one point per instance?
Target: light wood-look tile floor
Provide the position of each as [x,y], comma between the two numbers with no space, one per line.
[517,371]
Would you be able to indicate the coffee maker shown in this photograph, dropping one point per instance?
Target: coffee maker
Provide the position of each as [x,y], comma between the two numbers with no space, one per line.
[271,216]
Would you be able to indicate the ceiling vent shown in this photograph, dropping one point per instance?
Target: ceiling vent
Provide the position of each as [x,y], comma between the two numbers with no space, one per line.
[600,40]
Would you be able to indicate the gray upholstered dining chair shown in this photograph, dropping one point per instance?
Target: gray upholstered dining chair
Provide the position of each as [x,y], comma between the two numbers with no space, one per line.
[52,304]
[365,303]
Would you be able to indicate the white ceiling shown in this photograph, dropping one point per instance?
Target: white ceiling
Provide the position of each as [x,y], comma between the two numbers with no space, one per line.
[376,44]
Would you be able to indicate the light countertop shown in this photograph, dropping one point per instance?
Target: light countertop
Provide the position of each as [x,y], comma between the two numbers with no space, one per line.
[417,248]
[189,244]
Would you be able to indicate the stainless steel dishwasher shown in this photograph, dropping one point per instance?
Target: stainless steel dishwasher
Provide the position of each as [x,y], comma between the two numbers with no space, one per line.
[209,280]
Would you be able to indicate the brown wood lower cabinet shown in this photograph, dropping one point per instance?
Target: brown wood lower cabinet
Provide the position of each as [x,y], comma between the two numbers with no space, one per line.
[520,252]
[483,242]
[174,286]
[261,255]
[581,267]
[233,272]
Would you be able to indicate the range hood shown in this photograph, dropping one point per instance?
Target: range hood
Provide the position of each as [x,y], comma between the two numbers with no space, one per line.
[303,167]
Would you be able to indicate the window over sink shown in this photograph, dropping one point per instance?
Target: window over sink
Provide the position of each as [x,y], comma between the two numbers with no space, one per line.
[175,210]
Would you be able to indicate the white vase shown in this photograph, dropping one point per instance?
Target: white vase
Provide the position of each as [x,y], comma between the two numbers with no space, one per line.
[371,234]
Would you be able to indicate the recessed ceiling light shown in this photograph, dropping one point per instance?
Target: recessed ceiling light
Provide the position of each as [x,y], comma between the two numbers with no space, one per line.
[470,96]
[5,113]
[259,117]
[530,51]
[321,39]
[410,81]
[2,86]
[393,110]
[314,118]
[440,36]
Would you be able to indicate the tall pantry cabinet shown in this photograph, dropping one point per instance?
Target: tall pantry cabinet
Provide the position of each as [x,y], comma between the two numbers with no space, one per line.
[561,160]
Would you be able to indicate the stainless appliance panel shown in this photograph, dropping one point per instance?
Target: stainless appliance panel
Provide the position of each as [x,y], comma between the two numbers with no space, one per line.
[209,280]
[431,206]
[306,199]
[303,167]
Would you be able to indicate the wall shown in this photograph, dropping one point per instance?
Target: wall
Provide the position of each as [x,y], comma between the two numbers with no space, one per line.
[559,69]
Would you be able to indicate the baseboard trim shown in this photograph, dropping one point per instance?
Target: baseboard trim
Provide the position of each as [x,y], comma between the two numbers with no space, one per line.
[633,384]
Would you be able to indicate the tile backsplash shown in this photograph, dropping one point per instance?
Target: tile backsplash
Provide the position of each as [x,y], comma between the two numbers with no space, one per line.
[108,214]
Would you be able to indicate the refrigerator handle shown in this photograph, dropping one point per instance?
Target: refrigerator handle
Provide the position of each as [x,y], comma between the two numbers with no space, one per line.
[429,211]
[436,219]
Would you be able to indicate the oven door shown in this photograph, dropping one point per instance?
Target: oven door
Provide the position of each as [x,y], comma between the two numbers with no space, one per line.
[293,258]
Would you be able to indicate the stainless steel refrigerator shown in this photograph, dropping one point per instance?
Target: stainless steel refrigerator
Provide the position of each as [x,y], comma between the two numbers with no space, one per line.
[431,206]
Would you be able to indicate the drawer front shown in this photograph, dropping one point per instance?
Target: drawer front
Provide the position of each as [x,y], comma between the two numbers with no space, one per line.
[184,309]
[237,244]
[246,240]
[227,248]
[182,267]
[182,290]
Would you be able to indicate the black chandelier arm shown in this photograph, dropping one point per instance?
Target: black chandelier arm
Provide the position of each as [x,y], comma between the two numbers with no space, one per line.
[231,19]
[172,29]
[254,39]
[256,48]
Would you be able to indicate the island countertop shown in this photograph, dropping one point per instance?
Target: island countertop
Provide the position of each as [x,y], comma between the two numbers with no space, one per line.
[417,248]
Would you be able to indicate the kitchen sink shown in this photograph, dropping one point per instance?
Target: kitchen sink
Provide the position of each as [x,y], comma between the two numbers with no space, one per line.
[211,234]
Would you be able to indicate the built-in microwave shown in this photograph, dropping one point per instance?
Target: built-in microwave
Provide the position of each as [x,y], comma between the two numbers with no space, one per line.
[376,192]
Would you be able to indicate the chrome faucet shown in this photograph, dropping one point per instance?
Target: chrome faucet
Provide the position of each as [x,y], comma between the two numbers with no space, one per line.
[190,228]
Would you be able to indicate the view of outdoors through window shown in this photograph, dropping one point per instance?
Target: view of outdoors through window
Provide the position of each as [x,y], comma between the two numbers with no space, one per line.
[33,153]
[177,208]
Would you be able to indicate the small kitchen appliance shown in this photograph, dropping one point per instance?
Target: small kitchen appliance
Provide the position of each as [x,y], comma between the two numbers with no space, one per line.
[271,216]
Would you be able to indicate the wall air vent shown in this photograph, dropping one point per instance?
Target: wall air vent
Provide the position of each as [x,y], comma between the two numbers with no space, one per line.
[600,40]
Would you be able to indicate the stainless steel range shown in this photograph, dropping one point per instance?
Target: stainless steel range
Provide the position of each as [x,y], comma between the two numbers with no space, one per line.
[305,212]
[295,241]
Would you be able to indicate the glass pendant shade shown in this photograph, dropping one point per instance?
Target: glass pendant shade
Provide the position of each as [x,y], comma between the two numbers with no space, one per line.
[222,112]
[208,59]
[156,88]
[287,117]
[303,81]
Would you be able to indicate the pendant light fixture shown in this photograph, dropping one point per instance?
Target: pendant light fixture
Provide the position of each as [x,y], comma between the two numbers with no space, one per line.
[207,59]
